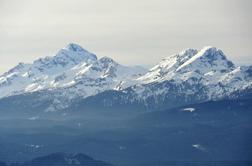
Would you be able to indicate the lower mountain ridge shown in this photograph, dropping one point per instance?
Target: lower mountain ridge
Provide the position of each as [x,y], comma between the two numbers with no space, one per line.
[62,159]
[37,103]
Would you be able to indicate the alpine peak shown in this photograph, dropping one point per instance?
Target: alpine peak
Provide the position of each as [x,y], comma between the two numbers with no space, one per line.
[208,58]
[75,47]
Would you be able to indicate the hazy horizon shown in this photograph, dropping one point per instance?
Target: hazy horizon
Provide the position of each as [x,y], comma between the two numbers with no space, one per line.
[132,33]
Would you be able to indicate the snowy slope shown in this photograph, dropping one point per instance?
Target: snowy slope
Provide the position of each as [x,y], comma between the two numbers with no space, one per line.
[72,68]
[165,69]
[189,63]
[208,66]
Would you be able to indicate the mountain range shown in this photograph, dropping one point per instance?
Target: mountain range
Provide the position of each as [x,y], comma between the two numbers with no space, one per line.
[76,79]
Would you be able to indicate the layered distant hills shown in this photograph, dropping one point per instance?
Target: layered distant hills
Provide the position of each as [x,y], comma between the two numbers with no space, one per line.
[215,133]
[75,79]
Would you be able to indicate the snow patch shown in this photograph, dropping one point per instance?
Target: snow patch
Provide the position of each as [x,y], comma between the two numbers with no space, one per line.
[199,147]
[189,109]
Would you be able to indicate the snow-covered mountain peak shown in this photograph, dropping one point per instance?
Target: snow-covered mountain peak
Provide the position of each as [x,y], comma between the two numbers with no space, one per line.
[75,47]
[203,75]
[72,69]
[65,58]
[75,53]
[207,59]
[210,53]
[209,62]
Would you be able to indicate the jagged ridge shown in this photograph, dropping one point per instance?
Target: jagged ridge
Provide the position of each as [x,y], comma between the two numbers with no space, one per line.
[190,76]
[72,67]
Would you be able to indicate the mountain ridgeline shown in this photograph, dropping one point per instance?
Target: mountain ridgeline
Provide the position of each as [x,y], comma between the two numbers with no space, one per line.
[76,79]
[61,159]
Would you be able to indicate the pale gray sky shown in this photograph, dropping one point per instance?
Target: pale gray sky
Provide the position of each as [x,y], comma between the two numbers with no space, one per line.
[130,31]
